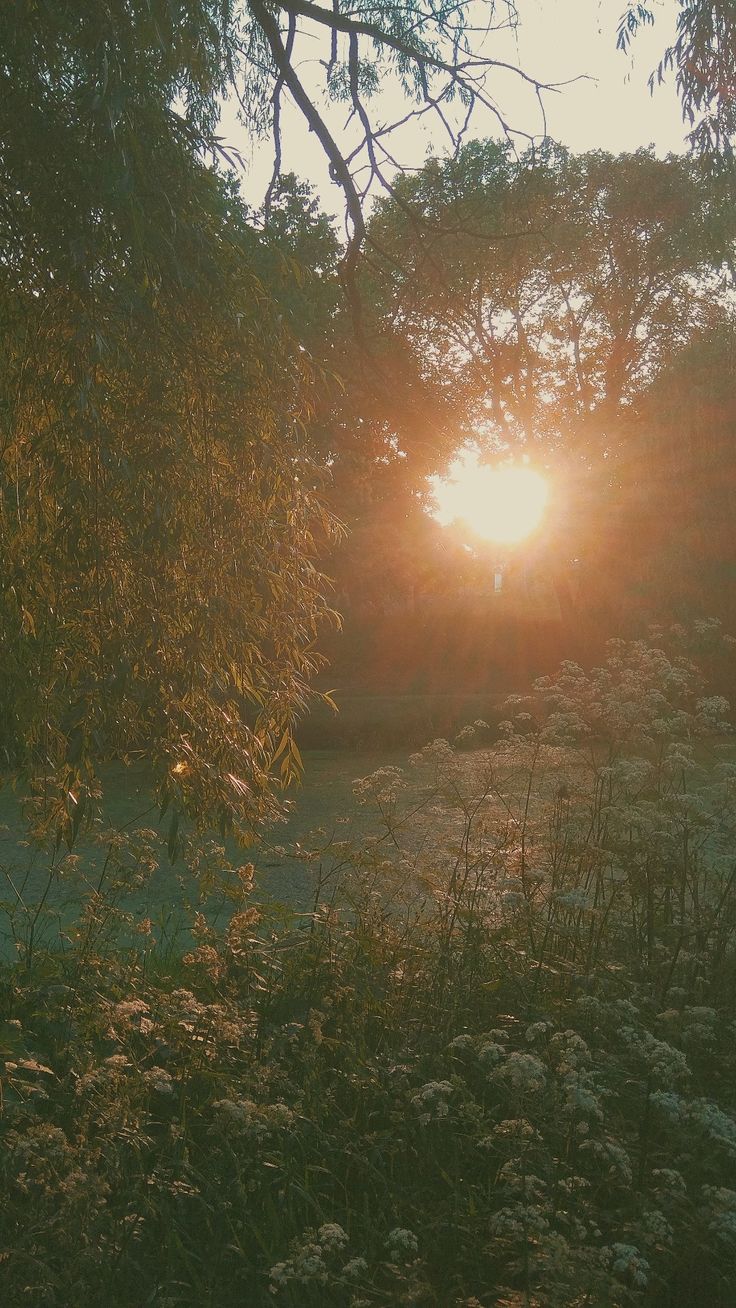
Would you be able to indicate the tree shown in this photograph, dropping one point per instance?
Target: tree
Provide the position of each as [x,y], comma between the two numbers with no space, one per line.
[703,60]
[158,517]
[569,282]
[679,486]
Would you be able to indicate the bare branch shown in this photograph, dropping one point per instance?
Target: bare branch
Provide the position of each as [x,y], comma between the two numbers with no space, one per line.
[339,170]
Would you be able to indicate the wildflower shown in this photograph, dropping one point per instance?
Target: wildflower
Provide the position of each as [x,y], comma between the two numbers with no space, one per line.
[117,1062]
[491,1054]
[574,900]
[656,1227]
[669,1178]
[537,1031]
[519,1221]
[431,1100]
[722,1212]
[400,1241]
[256,1121]
[207,957]
[356,1267]
[278,1275]
[128,1010]
[515,1128]
[628,1264]
[332,1237]
[613,1156]
[462,1044]
[662,1061]
[239,928]
[158,1079]
[524,1073]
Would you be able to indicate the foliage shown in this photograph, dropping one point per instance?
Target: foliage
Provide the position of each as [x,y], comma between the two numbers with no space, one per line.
[670,536]
[702,58]
[566,284]
[559,298]
[159,518]
[493,1067]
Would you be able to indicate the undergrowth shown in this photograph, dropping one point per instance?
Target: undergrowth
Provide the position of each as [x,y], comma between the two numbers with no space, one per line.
[494,1066]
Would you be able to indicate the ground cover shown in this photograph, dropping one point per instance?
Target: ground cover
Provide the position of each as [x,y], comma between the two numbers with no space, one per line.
[493,1065]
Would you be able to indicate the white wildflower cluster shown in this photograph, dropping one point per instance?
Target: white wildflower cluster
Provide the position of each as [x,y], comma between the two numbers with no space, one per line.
[524,1074]
[512,1130]
[315,1260]
[664,1064]
[109,1073]
[712,713]
[462,1044]
[491,1053]
[42,1163]
[721,1210]
[402,1243]
[128,1015]
[629,1265]
[670,1104]
[210,1026]
[668,1179]
[655,1229]
[709,1119]
[699,1027]
[703,1117]
[46,1141]
[513,899]
[526,1185]
[354,1268]
[439,756]
[255,1121]
[332,1237]
[467,735]
[571,1059]
[538,1032]
[520,1221]
[564,728]
[382,786]
[612,1157]
[431,1100]
[573,1185]
[158,1079]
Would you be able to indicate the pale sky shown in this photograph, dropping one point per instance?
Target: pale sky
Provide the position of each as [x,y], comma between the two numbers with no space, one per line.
[609,108]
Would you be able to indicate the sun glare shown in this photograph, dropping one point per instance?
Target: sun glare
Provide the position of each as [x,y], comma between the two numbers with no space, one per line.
[502,504]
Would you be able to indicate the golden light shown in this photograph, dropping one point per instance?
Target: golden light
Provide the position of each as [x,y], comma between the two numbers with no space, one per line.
[502,504]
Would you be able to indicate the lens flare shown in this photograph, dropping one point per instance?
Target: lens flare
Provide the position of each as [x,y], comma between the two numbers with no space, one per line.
[502,504]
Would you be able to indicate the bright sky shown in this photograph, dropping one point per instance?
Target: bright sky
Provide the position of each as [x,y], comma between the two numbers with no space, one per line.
[609,107]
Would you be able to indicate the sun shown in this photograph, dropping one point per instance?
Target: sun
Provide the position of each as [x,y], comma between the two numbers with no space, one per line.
[502,504]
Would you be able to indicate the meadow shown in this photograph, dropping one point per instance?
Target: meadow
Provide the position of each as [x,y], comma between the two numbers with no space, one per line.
[492,1064]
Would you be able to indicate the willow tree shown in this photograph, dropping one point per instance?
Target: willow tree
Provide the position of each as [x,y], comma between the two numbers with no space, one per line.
[158,517]
[702,59]
[159,509]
